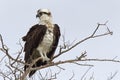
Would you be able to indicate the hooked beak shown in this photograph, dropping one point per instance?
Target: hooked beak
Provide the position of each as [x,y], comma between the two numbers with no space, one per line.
[37,16]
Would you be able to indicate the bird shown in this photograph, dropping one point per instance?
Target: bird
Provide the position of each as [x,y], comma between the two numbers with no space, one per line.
[41,41]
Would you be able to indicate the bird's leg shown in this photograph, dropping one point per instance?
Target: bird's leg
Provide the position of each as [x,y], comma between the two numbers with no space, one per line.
[44,56]
[41,55]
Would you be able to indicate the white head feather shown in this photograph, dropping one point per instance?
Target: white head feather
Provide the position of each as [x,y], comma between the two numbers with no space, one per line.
[44,16]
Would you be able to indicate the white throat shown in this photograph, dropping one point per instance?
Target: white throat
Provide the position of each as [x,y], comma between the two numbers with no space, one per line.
[45,20]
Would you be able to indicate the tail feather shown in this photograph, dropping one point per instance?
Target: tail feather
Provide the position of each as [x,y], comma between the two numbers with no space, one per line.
[32,72]
[37,64]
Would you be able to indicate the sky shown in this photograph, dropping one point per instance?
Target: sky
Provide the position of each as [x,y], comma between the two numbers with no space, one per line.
[77,19]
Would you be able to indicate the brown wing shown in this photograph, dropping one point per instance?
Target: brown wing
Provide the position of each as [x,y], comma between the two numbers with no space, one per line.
[55,42]
[30,32]
[33,39]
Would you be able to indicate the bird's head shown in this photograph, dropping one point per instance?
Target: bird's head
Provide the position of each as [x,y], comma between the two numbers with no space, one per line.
[44,15]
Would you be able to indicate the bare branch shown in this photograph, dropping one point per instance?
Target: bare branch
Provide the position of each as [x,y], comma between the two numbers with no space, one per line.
[73,74]
[83,64]
[2,58]
[83,40]
[14,63]
[112,76]
[5,50]
[41,76]
[85,73]
[83,55]
[60,67]
[74,60]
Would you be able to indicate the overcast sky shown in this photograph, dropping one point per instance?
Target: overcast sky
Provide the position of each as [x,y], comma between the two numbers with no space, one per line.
[77,19]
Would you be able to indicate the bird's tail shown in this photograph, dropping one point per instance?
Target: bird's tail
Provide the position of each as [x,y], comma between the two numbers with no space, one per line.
[37,64]
[32,72]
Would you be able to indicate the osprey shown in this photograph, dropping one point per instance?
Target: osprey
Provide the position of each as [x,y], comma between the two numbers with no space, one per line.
[41,41]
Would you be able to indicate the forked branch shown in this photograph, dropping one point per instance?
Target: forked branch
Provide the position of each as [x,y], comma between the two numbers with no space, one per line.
[62,50]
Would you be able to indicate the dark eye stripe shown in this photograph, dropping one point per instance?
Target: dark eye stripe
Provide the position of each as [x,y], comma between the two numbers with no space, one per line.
[44,13]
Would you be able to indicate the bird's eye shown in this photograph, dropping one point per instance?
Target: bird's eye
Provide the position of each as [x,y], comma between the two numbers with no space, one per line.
[49,13]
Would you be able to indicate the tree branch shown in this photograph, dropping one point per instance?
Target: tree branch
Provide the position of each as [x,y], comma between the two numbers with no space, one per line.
[5,50]
[74,60]
[63,49]
[85,39]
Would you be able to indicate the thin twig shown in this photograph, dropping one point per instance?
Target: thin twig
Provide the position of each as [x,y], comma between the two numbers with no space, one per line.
[112,75]
[85,73]
[73,74]
[83,64]
[5,50]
